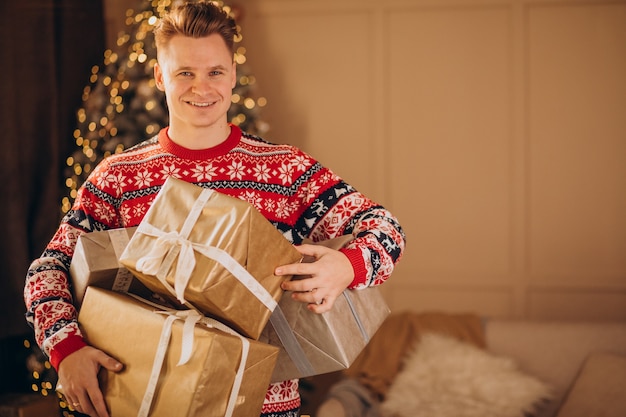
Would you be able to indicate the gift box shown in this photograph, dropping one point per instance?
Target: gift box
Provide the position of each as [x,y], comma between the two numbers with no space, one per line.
[312,344]
[171,366]
[211,252]
[96,262]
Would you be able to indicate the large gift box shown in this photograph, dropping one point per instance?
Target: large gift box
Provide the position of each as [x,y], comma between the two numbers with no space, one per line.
[312,344]
[171,366]
[96,262]
[213,252]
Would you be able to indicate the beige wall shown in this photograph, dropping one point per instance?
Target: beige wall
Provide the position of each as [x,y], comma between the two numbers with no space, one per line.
[494,129]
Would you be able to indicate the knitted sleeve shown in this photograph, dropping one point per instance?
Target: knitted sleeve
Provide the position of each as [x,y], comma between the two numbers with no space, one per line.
[331,208]
[47,291]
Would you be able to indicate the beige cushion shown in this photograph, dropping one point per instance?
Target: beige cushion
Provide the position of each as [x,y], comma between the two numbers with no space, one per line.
[331,408]
[599,389]
[445,377]
[554,351]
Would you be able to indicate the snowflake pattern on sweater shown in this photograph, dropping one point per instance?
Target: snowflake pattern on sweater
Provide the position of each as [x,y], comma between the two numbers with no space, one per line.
[299,196]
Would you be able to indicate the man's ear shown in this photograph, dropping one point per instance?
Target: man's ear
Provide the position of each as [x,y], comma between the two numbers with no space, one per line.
[234,81]
[158,77]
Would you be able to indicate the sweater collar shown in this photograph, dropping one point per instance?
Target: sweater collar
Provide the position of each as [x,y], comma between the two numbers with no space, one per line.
[171,147]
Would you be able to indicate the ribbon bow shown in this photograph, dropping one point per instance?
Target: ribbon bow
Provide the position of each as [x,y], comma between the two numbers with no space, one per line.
[190,318]
[158,261]
[167,246]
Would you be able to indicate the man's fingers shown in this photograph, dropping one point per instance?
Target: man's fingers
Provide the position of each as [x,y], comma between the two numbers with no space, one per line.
[301,285]
[97,404]
[84,406]
[95,398]
[80,402]
[311,250]
[111,364]
[311,253]
[295,269]
[323,307]
[92,402]
[78,375]
[313,296]
[318,301]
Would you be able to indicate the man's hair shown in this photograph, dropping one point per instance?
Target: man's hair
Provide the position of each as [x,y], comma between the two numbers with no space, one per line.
[196,19]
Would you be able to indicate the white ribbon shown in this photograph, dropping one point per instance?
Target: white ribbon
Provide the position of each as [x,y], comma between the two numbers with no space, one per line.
[158,261]
[153,262]
[191,318]
[148,395]
[123,277]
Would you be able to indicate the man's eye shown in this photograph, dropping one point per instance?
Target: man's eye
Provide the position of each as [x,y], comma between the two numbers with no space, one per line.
[214,73]
[185,74]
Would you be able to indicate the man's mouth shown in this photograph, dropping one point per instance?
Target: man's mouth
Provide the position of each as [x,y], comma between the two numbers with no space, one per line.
[201,104]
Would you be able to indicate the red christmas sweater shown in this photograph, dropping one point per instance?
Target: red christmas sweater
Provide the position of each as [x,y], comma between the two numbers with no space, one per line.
[301,198]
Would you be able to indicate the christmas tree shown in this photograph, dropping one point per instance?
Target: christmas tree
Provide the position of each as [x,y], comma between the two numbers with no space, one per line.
[122,106]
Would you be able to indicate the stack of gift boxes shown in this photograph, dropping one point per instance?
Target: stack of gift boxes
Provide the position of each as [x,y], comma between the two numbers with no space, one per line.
[189,303]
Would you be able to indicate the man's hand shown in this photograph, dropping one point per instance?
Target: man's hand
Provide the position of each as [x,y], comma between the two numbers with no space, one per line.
[328,275]
[78,377]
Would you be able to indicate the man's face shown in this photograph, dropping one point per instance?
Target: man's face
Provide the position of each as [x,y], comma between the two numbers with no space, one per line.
[197,76]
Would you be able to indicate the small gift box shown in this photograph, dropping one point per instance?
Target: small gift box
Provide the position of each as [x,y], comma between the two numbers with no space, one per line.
[96,263]
[312,344]
[213,252]
[176,363]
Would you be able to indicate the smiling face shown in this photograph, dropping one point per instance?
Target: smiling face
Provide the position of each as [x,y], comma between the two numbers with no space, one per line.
[197,76]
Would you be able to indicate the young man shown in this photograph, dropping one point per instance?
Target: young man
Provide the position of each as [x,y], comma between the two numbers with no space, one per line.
[293,191]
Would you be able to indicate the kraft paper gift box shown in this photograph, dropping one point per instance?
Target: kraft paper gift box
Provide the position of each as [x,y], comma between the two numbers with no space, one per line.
[213,252]
[213,361]
[96,262]
[312,344]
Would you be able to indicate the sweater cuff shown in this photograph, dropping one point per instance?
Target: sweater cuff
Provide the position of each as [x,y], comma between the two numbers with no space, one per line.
[65,348]
[358,265]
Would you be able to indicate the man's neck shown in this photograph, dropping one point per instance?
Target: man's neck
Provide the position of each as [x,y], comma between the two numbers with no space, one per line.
[199,138]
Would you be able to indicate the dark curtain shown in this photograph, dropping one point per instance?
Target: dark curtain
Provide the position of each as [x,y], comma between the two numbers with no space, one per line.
[47,49]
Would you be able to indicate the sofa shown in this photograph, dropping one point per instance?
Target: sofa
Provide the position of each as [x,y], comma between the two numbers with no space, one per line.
[552,368]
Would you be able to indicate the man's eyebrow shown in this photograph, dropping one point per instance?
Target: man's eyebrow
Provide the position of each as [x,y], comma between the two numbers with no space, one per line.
[183,68]
[214,67]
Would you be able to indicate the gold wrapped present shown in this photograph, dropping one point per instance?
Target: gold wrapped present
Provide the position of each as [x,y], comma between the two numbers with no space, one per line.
[213,252]
[96,262]
[176,363]
[312,344]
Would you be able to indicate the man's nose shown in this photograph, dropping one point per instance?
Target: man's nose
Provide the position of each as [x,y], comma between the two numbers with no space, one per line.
[201,85]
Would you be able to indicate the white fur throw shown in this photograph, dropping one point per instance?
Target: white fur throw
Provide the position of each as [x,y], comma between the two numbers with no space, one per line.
[445,377]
